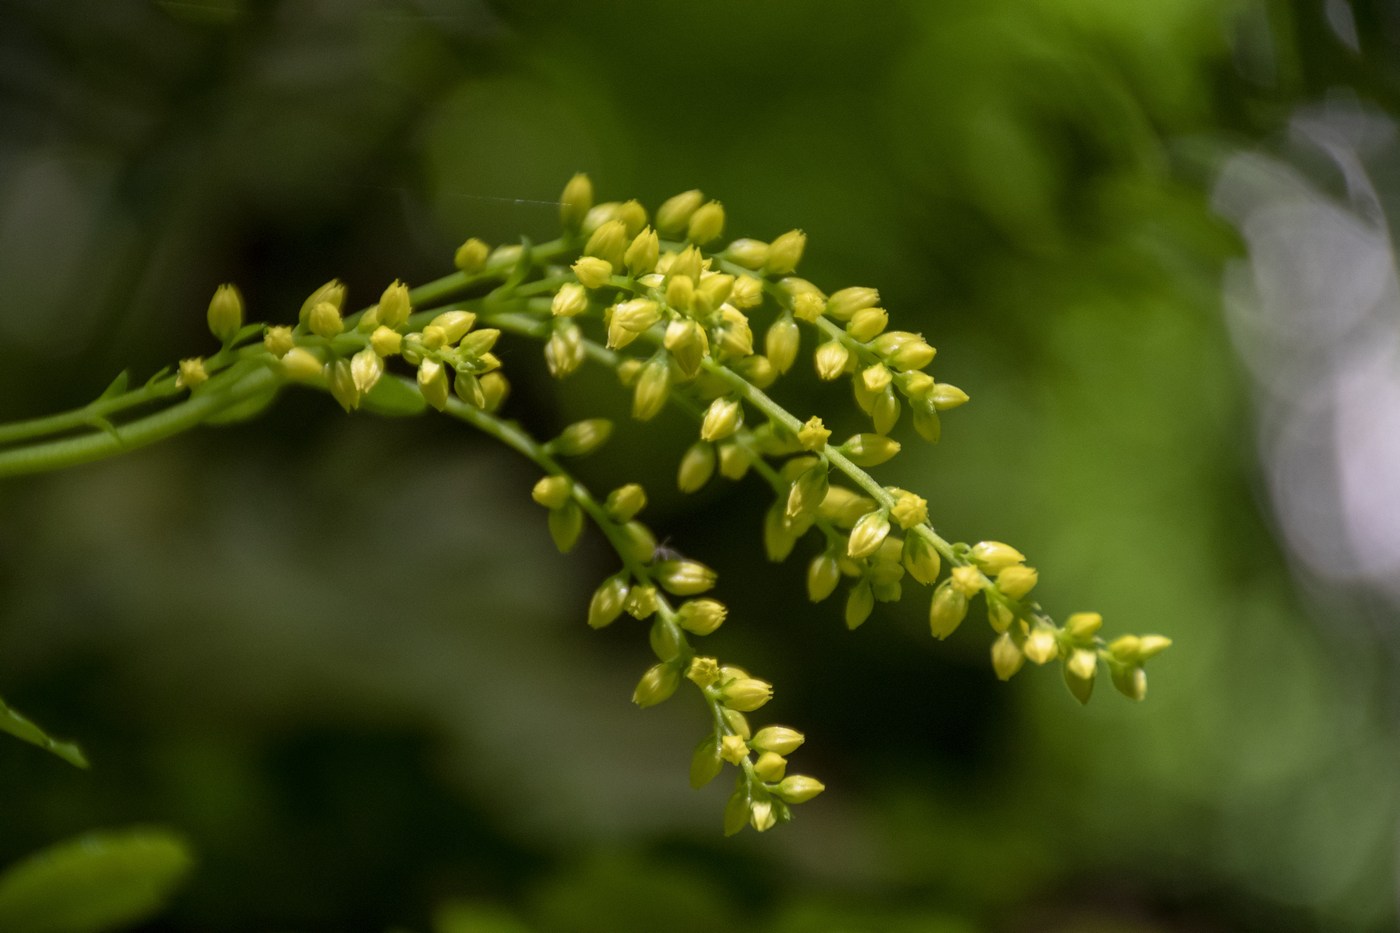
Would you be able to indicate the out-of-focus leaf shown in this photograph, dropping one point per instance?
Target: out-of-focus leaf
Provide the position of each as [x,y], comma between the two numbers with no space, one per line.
[393,397]
[96,882]
[22,728]
[466,917]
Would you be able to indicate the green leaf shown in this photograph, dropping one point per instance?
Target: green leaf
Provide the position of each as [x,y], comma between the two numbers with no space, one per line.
[22,728]
[395,398]
[117,386]
[94,883]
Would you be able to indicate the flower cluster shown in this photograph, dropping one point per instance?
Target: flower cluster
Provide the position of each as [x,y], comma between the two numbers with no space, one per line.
[674,310]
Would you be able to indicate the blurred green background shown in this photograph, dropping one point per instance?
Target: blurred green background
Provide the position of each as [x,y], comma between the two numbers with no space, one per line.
[341,656]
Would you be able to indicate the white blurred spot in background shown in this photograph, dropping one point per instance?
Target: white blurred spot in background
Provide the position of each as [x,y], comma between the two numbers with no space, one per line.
[1314,312]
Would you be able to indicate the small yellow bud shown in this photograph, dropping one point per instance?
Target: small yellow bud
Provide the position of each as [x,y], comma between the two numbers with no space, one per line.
[582,437]
[687,344]
[746,694]
[432,382]
[689,263]
[625,502]
[633,216]
[565,526]
[653,386]
[917,386]
[192,374]
[575,202]
[674,213]
[552,491]
[300,364]
[333,293]
[831,359]
[867,323]
[278,340]
[909,510]
[808,307]
[843,305]
[920,558]
[1006,657]
[860,602]
[600,214]
[1149,646]
[757,370]
[813,435]
[806,494]
[781,343]
[751,254]
[680,292]
[471,256]
[722,418]
[747,292]
[736,810]
[869,450]
[999,616]
[779,739]
[1017,580]
[779,535]
[365,369]
[593,272]
[948,609]
[1130,681]
[641,256]
[706,224]
[495,388]
[641,602]
[798,788]
[875,378]
[968,580]
[684,577]
[702,671]
[785,253]
[762,816]
[1079,670]
[706,763]
[994,556]
[385,342]
[434,338]
[341,383]
[564,351]
[945,396]
[656,685]
[737,722]
[734,461]
[734,336]
[638,543]
[770,766]
[225,314]
[1041,645]
[630,318]
[1082,626]
[607,602]
[325,320]
[884,412]
[868,534]
[823,573]
[570,301]
[665,639]
[701,616]
[609,242]
[455,324]
[394,307]
[697,466]
[928,426]
[733,749]
[712,291]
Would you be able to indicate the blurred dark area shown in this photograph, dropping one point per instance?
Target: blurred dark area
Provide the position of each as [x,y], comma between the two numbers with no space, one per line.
[1152,240]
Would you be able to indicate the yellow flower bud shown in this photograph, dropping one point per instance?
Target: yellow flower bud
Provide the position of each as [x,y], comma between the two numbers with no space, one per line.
[633,216]
[641,255]
[684,577]
[807,492]
[770,766]
[674,213]
[325,320]
[575,202]
[593,272]
[607,602]
[813,435]
[1017,580]
[192,374]
[706,763]
[869,450]
[656,685]
[300,364]
[653,386]
[641,602]
[689,263]
[762,815]
[1079,670]
[917,386]
[994,557]
[432,382]
[722,418]
[1041,645]
[625,502]
[665,639]
[564,351]
[808,307]
[570,301]
[734,335]
[394,307]
[746,694]
[637,543]
[697,466]
[751,254]
[1006,657]
[756,370]
[945,396]
[734,461]
[867,323]
[225,314]
[779,739]
[385,342]
[471,256]
[455,324]
[1149,646]
[365,369]
[703,672]
[635,315]
[736,721]
[798,788]
[920,558]
[843,305]
[823,573]
[779,535]
[333,293]
[434,338]
[552,491]
[1082,626]
[712,291]
[733,749]
[747,292]
[278,340]
[948,609]
[582,437]
[844,507]
[341,382]
[701,616]
[785,253]
[565,526]
[860,602]
[609,242]
[495,388]
[999,616]
[968,580]
[706,224]
[781,343]
[927,425]
[736,810]
[1130,681]
[868,534]
[884,413]
[831,359]
[875,378]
